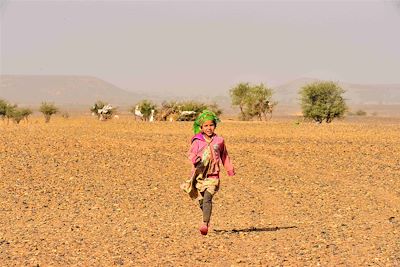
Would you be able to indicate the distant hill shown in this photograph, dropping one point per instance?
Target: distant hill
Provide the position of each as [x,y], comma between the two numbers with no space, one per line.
[81,91]
[62,90]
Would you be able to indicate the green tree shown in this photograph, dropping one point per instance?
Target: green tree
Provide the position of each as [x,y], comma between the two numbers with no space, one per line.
[253,101]
[48,109]
[258,102]
[322,101]
[239,95]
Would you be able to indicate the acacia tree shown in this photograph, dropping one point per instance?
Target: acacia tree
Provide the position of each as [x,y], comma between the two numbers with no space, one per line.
[253,101]
[322,101]
[259,102]
[239,95]
[48,109]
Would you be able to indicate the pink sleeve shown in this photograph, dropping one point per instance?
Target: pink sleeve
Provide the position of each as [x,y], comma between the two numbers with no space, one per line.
[194,148]
[226,161]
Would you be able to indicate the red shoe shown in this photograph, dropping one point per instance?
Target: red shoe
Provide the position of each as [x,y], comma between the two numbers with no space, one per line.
[204,229]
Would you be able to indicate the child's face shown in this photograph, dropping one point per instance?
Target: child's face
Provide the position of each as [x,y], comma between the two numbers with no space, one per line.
[208,128]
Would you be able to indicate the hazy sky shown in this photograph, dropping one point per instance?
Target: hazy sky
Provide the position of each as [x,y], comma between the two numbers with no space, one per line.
[202,45]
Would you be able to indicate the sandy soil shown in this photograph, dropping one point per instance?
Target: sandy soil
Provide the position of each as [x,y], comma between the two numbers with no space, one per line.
[89,193]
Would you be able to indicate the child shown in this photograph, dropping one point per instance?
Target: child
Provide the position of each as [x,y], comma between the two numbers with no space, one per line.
[206,151]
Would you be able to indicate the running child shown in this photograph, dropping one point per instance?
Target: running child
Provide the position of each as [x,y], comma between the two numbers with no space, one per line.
[206,152]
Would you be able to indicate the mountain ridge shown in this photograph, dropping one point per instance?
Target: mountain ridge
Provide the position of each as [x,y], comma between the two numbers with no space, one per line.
[85,90]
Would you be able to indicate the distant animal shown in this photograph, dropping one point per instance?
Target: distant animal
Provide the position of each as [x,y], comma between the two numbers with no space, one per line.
[105,112]
[116,117]
[152,116]
[138,114]
[187,113]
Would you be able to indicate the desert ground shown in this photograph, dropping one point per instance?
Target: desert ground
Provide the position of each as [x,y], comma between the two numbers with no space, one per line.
[81,192]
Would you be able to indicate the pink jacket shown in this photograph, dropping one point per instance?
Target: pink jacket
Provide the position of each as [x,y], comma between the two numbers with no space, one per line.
[219,154]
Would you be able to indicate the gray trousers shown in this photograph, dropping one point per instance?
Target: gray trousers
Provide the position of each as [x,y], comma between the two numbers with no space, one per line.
[206,206]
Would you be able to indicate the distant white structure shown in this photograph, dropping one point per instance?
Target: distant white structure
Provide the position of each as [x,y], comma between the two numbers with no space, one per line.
[116,117]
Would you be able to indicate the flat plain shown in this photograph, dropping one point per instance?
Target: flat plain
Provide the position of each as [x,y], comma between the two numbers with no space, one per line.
[81,192]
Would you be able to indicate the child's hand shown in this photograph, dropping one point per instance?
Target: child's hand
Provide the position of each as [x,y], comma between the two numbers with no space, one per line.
[197,160]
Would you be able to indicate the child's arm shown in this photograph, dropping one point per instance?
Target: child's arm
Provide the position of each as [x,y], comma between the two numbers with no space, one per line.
[226,161]
[194,148]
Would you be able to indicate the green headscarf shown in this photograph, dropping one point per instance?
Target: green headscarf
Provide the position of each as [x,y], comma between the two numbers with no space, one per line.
[206,115]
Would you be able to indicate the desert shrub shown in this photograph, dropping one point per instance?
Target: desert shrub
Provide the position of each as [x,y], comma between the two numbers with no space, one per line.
[196,108]
[26,112]
[12,112]
[167,108]
[322,101]
[361,112]
[146,107]
[102,110]
[16,115]
[48,109]
[185,110]
[65,115]
[3,108]
[188,106]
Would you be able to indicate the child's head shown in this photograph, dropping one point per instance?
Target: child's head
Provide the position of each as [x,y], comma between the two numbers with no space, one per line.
[208,128]
[206,122]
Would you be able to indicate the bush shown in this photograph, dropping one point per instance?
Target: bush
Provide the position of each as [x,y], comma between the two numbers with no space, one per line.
[360,113]
[146,107]
[196,108]
[13,112]
[167,109]
[322,101]
[26,112]
[185,110]
[102,110]
[48,109]
[17,115]
[65,115]
[3,108]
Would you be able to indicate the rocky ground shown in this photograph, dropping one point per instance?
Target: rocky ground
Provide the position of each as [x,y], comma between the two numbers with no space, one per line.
[83,192]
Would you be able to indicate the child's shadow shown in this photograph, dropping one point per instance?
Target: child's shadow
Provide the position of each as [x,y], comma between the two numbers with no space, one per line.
[253,229]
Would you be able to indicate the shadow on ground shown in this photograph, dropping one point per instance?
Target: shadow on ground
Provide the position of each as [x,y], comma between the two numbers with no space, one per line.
[253,229]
